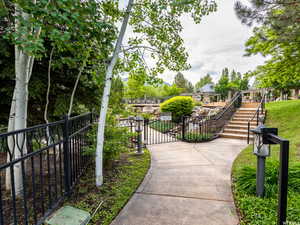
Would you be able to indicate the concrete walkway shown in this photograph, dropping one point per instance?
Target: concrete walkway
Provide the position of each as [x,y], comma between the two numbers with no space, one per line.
[188,184]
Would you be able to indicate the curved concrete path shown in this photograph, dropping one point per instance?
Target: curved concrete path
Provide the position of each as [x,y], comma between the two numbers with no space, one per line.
[188,184]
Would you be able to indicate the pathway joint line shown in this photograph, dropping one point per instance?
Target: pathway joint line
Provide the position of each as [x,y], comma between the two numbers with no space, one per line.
[182,196]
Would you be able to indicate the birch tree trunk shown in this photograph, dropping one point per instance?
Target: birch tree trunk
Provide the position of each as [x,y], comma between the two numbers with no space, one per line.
[75,87]
[105,97]
[18,111]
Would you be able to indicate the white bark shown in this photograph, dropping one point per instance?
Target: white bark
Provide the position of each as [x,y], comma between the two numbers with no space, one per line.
[49,86]
[21,87]
[18,112]
[105,97]
[75,87]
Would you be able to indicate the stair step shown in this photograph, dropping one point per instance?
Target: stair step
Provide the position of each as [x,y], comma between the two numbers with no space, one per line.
[244,116]
[236,131]
[247,109]
[243,119]
[235,136]
[250,105]
[245,123]
[241,127]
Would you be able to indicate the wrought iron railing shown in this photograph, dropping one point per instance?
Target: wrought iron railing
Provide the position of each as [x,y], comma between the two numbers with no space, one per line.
[259,111]
[39,166]
[220,119]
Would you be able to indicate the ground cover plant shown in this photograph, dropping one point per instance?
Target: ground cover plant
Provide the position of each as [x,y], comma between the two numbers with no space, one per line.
[120,182]
[263,211]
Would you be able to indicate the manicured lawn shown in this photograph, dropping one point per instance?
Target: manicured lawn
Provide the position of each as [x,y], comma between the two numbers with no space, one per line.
[119,185]
[285,116]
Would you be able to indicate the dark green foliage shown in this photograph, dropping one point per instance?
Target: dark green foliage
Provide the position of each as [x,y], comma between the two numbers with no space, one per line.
[179,106]
[181,82]
[264,211]
[119,185]
[246,179]
[231,82]
[222,87]
[116,140]
[195,137]
[277,37]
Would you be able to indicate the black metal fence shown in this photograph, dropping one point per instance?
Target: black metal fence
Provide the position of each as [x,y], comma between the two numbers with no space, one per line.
[190,129]
[39,166]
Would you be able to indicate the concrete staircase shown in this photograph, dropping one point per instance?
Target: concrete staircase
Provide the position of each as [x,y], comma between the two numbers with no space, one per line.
[237,127]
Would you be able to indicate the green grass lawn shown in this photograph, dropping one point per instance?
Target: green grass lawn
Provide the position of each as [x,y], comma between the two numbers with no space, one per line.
[120,183]
[285,116]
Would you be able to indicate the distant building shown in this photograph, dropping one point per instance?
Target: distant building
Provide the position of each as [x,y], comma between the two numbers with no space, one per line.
[207,94]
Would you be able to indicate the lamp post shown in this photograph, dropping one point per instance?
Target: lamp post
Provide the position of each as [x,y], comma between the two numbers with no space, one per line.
[261,151]
[138,128]
[263,137]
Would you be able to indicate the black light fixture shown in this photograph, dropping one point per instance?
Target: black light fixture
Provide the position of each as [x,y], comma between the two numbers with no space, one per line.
[259,147]
[138,128]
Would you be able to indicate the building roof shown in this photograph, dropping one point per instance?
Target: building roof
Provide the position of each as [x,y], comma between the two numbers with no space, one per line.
[208,88]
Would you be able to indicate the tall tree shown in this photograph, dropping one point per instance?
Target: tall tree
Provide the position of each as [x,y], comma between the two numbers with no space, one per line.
[222,86]
[276,37]
[180,81]
[203,81]
[33,26]
[158,26]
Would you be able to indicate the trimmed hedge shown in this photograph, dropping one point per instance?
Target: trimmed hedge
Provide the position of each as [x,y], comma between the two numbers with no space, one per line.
[179,106]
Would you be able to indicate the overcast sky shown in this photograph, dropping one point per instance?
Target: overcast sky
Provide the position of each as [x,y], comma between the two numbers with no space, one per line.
[217,42]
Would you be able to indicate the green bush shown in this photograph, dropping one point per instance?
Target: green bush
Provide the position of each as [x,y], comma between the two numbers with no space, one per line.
[197,103]
[147,116]
[179,106]
[116,140]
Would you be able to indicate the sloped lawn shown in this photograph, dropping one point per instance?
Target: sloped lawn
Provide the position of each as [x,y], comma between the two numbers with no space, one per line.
[285,116]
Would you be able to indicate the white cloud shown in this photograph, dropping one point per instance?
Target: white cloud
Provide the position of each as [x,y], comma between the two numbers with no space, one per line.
[215,43]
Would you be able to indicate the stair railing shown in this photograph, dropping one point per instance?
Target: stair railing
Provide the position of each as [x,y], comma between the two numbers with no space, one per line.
[259,111]
[220,119]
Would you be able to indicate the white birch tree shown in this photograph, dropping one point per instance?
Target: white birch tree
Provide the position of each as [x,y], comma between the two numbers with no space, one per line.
[105,97]
[156,23]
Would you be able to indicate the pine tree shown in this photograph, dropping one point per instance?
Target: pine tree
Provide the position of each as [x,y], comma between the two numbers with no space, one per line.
[203,81]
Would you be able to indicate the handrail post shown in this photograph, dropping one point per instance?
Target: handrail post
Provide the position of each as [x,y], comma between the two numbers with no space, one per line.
[183,128]
[67,169]
[248,138]
[283,182]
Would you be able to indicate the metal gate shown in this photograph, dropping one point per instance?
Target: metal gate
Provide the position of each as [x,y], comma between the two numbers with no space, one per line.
[161,131]
[189,129]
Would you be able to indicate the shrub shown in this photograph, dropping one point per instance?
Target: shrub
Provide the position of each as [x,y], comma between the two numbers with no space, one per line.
[116,140]
[179,106]
[197,103]
[147,116]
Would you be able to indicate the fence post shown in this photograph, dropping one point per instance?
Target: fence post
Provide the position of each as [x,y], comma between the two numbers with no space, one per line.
[146,122]
[183,128]
[67,168]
